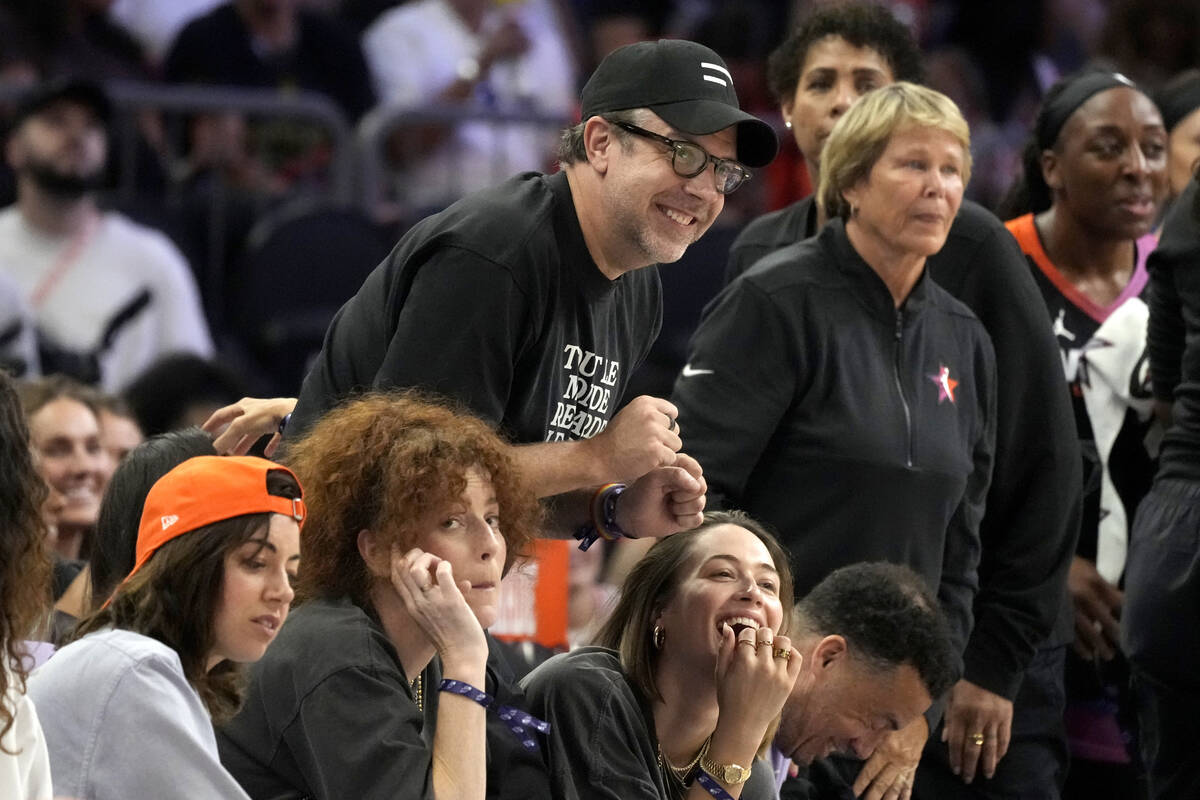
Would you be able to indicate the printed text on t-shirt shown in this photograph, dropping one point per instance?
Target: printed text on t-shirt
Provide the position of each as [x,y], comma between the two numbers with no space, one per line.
[586,403]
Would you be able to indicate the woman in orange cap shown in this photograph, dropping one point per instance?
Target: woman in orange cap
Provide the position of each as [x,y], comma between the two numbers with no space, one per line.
[127,707]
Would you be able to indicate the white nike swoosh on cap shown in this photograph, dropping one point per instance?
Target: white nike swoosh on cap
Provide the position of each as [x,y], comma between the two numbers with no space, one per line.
[690,372]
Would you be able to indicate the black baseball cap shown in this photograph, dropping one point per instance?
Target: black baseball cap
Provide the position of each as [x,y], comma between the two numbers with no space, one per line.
[86,93]
[686,84]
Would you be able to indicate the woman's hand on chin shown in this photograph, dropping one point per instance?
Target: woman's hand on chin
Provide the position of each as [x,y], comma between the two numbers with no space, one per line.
[756,671]
[435,601]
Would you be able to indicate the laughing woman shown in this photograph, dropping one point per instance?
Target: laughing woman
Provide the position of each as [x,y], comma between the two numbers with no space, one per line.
[373,688]
[127,709]
[691,674]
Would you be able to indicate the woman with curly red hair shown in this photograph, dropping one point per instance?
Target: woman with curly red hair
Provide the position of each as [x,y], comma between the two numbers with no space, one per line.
[380,682]
[24,601]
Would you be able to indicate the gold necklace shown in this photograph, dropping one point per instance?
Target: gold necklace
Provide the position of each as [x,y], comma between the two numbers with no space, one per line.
[680,774]
[418,690]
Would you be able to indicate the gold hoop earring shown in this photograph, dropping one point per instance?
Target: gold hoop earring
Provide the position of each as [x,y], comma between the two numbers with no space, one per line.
[658,636]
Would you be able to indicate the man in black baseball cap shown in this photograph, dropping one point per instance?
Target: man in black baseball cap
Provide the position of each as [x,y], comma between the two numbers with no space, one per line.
[529,303]
[80,92]
[684,83]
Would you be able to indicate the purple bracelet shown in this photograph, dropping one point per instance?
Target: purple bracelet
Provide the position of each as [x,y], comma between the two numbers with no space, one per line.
[711,786]
[516,719]
[604,517]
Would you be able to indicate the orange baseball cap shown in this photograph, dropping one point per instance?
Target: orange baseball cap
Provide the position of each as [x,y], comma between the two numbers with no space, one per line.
[208,489]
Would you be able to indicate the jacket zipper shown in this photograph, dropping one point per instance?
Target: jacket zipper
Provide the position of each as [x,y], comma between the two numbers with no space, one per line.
[908,462]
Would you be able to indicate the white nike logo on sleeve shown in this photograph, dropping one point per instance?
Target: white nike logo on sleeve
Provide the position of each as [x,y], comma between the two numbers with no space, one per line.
[690,372]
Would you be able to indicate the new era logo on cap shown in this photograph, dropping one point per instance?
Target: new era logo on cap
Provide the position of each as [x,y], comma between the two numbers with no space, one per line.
[169,520]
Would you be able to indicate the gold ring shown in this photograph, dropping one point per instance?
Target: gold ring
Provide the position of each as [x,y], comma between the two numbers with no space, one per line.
[977,739]
[786,655]
[746,641]
[760,643]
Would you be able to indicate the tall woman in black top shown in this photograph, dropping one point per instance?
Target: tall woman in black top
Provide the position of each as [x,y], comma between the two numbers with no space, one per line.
[1012,665]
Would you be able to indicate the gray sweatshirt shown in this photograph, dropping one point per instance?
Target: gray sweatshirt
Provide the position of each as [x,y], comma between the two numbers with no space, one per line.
[121,721]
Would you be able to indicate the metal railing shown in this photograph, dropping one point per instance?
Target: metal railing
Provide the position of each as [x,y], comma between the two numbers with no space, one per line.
[377,127]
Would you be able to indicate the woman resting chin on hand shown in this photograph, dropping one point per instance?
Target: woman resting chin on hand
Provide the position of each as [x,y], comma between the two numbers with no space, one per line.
[381,685]
[690,677]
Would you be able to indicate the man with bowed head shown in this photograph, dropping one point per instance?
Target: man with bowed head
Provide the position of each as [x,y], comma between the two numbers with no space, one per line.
[530,302]
[877,653]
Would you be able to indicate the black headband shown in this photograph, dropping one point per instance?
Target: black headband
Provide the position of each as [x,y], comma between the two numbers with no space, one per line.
[1056,113]
[1178,99]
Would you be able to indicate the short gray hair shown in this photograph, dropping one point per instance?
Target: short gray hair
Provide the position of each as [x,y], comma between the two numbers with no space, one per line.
[571,149]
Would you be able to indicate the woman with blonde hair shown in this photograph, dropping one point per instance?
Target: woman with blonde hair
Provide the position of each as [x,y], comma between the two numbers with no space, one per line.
[863,427]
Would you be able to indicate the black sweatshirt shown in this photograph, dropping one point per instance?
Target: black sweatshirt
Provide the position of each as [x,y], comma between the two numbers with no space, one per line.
[330,715]
[496,303]
[1032,520]
[1174,335]
[859,431]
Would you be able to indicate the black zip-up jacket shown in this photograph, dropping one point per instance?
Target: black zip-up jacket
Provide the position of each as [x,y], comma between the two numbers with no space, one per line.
[1032,520]
[859,431]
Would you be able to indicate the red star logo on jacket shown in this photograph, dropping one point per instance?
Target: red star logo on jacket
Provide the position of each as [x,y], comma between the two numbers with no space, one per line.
[945,384]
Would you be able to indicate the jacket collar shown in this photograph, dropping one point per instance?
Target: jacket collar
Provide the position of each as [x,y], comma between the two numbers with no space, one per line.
[868,287]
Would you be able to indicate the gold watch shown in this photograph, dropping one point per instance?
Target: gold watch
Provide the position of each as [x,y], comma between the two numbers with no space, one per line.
[728,774]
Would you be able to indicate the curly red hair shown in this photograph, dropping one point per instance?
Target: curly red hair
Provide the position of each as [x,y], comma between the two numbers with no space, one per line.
[380,462]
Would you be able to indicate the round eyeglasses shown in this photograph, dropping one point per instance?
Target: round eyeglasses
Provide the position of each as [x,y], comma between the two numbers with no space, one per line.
[689,159]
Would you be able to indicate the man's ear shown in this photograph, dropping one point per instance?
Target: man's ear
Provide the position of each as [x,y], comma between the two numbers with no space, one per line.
[829,652]
[376,555]
[1050,171]
[599,138]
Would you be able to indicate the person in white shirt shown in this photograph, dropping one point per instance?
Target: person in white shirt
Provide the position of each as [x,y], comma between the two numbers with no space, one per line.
[109,296]
[480,56]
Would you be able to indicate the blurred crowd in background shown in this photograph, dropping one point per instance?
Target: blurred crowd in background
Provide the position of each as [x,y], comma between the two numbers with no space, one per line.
[284,145]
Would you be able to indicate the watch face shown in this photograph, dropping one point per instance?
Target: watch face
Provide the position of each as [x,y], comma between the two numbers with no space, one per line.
[735,773]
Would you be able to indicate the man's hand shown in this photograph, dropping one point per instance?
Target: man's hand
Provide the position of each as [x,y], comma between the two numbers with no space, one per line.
[641,437]
[1097,611]
[237,427]
[972,710]
[888,773]
[665,500]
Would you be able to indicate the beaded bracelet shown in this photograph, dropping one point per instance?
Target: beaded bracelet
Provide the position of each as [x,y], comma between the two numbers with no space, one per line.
[516,719]
[711,786]
[604,513]
[604,510]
